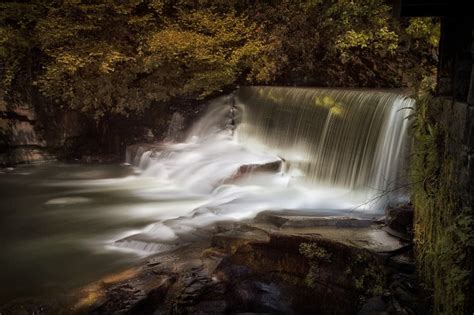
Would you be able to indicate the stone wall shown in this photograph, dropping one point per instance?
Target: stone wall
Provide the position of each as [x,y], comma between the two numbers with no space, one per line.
[456,82]
[20,142]
[442,172]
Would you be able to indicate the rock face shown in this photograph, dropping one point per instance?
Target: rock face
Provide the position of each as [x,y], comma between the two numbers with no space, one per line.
[19,140]
[34,129]
[263,266]
[175,128]
[400,221]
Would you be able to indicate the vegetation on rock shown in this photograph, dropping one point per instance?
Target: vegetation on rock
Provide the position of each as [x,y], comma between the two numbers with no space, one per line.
[444,225]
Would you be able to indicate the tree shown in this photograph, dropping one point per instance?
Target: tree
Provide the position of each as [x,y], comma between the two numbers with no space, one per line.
[119,57]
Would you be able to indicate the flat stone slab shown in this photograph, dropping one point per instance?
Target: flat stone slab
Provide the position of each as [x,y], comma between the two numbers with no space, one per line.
[360,233]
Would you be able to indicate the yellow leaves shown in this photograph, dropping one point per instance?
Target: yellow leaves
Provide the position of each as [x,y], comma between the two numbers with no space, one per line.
[157,5]
[105,58]
[70,62]
[212,48]
[140,20]
[177,41]
[119,56]
[111,60]
[224,27]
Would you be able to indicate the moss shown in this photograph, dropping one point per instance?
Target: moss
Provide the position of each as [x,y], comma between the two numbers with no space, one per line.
[367,275]
[444,234]
[317,256]
[314,252]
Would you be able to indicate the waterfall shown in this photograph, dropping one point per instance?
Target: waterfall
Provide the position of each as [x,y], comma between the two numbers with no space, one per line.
[325,151]
[340,138]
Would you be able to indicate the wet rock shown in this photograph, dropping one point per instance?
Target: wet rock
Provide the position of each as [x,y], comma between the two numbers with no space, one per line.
[134,153]
[28,155]
[400,221]
[402,263]
[260,297]
[175,128]
[272,218]
[266,167]
[251,268]
[200,295]
[229,271]
[328,280]
[247,169]
[337,222]
[100,158]
[233,239]
[300,219]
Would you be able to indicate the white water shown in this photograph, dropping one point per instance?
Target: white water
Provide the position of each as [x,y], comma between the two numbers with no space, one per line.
[340,149]
[65,225]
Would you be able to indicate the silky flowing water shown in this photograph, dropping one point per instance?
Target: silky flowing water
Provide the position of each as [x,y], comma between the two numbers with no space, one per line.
[339,152]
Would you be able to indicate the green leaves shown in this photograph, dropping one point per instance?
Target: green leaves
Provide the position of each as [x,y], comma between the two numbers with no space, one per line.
[444,228]
[424,28]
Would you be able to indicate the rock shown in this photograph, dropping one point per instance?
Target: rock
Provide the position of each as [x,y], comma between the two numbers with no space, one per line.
[260,297]
[272,218]
[231,240]
[25,155]
[134,152]
[29,155]
[23,133]
[245,170]
[374,306]
[72,123]
[261,267]
[400,221]
[100,159]
[403,263]
[337,222]
[23,111]
[175,128]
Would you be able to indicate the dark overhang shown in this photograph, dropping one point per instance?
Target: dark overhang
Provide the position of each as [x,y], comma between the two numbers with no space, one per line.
[443,8]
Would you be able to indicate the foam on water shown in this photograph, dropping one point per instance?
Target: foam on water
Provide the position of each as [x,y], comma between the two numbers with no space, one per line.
[328,152]
[339,150]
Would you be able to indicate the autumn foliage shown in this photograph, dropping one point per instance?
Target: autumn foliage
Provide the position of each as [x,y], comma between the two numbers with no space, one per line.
[111,56]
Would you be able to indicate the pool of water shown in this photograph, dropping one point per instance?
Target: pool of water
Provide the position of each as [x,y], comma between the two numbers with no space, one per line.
[57,222]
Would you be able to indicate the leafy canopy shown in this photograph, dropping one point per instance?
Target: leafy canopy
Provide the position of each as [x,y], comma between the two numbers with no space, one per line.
[112,56]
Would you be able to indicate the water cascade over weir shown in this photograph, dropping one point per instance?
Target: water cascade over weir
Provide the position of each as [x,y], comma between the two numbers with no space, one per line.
[336,138]
[324,151]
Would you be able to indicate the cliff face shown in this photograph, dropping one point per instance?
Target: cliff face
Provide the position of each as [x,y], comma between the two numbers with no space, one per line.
[19,140]
[36,130]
